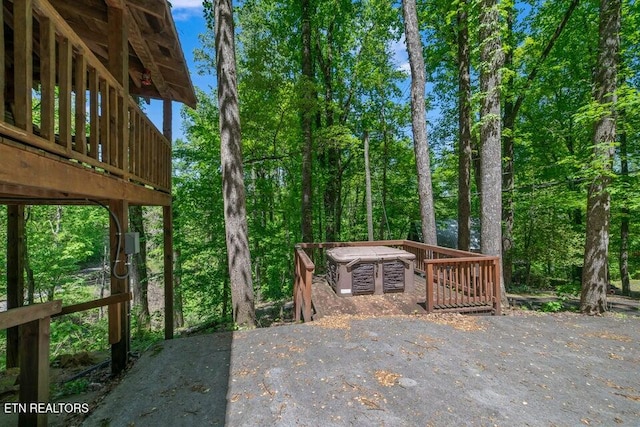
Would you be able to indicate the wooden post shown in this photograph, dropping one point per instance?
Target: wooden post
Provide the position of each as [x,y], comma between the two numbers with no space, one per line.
[167,213]
[23,65]
[429,286]
[15,275]
[168,272]
[119,330]
[118,42]
[34,371]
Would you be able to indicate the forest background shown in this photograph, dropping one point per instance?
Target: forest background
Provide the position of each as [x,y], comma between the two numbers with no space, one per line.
[550,55]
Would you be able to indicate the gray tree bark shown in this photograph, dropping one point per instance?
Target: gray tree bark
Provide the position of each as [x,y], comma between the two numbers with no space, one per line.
[418,121]
[367,181]
[235,215]
[625,218]
[464,129]
[593,299]
[491,57]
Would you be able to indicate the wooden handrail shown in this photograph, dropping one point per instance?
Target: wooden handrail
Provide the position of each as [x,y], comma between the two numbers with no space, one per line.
[90,100]
[19,316]
[101,302]
[484,290]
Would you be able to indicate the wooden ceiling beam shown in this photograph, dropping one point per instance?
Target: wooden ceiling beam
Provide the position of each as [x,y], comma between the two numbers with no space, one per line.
[149,6]
[118,4]
[141,49]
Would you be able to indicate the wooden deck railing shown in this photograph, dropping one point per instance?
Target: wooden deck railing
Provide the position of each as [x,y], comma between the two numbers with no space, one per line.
[78,111]
[456,281]
[34,322]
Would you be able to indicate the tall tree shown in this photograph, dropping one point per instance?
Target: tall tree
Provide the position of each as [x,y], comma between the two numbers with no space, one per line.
[593,299]
[464,129]
[512,105]
[418,120]
[367,181]
[233,189]
[491,57]
[307,121]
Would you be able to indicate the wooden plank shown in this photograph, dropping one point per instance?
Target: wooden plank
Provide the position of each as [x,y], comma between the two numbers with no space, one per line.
[115,325]
[105,124]
[94,118]
[118,313]
[22,315]
[101,302]
[65,69]
[22,64]
[15,276]
[34,371]
[167,219]
[123,134]
[81,103]
[20,166]
[47,78]
[113,128]
[141,48]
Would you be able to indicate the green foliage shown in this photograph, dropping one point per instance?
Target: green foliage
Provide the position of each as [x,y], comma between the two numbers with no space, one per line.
[71,388]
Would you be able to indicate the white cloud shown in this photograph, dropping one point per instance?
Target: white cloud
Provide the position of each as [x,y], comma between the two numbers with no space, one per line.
[400,57]
[186,4]
[183,10]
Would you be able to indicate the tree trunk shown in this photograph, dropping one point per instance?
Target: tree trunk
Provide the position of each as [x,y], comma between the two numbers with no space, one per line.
[140,274]
[307,120]
[367,180]
[178,315]
[385,161]
[418,121]
[235,215]
[625,217]
[508,181]
[464,120]
[593,299]
[490,153]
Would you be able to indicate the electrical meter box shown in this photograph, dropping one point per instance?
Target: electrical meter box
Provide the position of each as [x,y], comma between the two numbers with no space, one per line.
[131,243]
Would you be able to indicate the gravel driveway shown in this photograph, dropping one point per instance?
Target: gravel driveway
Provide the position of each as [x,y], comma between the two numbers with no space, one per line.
[439,370]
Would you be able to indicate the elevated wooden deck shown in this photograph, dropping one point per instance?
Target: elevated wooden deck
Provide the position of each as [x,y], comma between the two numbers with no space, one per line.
[447,280]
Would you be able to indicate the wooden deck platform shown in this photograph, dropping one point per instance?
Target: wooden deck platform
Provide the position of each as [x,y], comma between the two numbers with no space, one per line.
[327,303]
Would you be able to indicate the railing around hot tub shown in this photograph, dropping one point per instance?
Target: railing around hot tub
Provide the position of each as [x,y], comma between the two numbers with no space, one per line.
[456,281]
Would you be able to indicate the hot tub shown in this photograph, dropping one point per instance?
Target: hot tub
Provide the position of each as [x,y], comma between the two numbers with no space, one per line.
[367,270]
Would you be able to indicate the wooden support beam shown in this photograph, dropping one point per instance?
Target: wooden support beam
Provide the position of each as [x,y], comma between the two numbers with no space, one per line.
[15,275]
[22,63]
[118,46]
[21,166]
[168,272]
[65,76]
[167,212]
[34,369]
[119,313]
[81,103]
[47,78]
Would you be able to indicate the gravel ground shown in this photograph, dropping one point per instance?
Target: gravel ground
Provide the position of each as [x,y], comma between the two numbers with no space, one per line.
[440,370]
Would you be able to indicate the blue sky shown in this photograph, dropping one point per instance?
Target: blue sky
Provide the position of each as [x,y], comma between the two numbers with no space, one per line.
[189,24]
